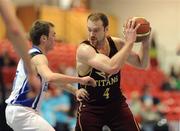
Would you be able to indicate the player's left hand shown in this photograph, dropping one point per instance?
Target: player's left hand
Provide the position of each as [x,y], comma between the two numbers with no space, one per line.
[35,85]
[87,80]
[82,94]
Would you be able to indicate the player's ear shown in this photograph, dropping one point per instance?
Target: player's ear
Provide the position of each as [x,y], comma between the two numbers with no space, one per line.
[43,37]
[106,29]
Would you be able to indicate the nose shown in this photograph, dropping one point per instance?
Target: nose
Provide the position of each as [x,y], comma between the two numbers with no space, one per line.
[92,33]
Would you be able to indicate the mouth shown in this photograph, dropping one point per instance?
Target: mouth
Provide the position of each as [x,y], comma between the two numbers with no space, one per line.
[93,39]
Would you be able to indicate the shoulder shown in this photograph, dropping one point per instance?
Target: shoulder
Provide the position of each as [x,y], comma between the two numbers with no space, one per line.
[85,47]
[39,59]
[85,50]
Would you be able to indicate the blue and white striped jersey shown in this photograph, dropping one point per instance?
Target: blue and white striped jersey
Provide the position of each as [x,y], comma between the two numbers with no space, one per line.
[21,86]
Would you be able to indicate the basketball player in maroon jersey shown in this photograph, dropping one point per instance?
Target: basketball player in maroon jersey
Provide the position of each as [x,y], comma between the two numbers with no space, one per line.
[102,57]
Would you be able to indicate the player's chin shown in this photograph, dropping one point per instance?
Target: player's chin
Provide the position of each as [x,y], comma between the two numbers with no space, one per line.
[94,42]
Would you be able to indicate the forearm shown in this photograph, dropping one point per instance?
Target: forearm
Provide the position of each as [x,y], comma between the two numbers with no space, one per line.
[63,79]
[20,45]
[119,59]
[7,11]
[144,55]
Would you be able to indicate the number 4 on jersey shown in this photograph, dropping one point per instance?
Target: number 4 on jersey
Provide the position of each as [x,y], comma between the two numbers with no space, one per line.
[106,93]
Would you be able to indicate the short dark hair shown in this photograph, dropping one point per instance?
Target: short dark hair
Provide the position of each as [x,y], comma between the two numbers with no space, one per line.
[99,16]
[38,29]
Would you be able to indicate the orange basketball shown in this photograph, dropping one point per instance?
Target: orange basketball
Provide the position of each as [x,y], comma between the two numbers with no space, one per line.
[144,29]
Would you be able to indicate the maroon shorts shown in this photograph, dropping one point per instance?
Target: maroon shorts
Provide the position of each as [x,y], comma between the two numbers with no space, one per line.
[117,116]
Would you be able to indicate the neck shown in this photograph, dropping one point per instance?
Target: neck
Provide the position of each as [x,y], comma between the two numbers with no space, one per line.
[104,48]
[101,44]
[41,48]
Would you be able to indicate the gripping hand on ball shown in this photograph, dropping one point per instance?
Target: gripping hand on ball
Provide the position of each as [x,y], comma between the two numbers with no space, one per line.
[130,31]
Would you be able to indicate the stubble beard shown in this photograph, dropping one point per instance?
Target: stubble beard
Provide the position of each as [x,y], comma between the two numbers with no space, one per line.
[98,43]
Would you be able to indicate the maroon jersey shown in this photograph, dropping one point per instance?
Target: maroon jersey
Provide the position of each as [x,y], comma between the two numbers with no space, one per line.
[108,87]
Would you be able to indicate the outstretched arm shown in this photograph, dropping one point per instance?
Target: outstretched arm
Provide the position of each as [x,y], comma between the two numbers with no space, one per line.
[15,31]
[17,36]
[40,63]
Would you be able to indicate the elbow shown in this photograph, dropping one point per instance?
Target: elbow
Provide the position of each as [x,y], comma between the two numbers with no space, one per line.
[113,70]
[49,78]
[144,66]
[14,31]
[141,64]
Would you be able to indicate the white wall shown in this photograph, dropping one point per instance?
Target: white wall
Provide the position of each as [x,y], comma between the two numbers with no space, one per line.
[164,16]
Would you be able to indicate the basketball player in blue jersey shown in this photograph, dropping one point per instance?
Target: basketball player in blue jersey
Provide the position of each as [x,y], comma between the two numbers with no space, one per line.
[22,111]
[102,57]
[17,36]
